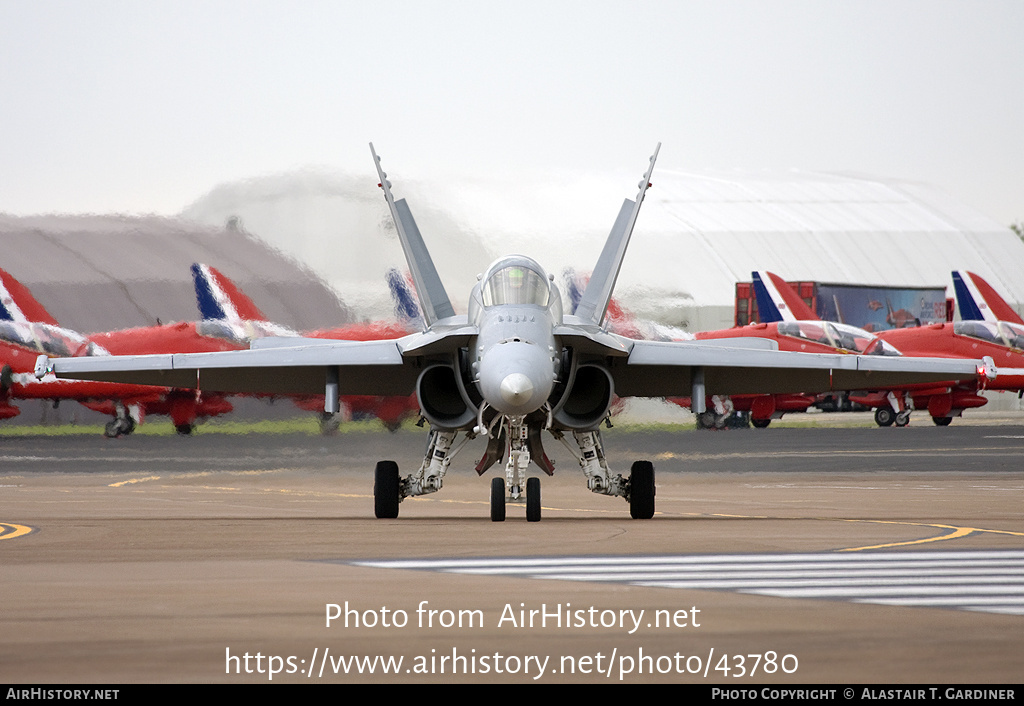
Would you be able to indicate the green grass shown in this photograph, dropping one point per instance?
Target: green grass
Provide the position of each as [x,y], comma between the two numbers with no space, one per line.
[159,426]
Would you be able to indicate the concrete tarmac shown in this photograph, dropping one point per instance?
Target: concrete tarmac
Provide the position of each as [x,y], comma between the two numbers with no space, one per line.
[171,559]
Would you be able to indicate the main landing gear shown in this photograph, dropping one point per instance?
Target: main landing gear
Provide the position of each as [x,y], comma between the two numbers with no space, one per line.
[637,490]
[123,422]
[887,416]
[894,410]
[514,439]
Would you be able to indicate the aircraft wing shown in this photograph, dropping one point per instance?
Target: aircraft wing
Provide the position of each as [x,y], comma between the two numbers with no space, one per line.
[357,367]
[639,368]
[669,369]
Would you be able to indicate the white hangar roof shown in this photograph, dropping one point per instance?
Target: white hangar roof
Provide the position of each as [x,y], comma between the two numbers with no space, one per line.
[712,230]
[698,233]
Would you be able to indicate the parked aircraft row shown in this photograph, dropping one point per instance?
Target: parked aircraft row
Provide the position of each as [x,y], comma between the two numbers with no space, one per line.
[514,367]
[989,329]
[229,321]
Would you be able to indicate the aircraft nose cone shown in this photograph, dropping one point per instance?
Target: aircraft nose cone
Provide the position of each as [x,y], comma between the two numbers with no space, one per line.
[516,389]
[515,377]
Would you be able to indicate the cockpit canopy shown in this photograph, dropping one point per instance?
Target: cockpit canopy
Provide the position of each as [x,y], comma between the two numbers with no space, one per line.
[242,332]
[51,340]
[836,335]
[515,280]
[1001,333]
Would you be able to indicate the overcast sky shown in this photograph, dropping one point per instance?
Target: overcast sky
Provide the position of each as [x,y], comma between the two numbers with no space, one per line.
[143,106]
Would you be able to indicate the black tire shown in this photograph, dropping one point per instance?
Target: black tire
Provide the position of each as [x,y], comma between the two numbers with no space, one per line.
[903,419]
[185,429]
[760,423]
[386,490]
[6,378]
[706,420]
[884,416]
[533,499]
[942,421]
[641,490]
[112,429]
[497,499]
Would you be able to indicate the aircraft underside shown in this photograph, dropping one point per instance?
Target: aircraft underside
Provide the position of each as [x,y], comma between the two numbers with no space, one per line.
[517,442]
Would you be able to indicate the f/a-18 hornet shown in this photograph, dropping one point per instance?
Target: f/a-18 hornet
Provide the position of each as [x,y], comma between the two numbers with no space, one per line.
[512,367]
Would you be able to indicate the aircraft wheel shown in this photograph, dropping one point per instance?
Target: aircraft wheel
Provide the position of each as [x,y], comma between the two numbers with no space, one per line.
[706,420]
[118,427]
[942,421]
[386,490]
[903,419]
[641,490]
[329,423]
[185,429]
[497,499]
[884,416]
[760,423]
[533,499]
[6,378]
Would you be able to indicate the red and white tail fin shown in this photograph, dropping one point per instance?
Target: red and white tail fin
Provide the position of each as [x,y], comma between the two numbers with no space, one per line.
[17,303]
[219,298]
[776,300]
[979,301]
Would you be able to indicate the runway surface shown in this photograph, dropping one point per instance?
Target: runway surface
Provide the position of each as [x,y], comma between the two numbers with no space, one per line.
[778,555]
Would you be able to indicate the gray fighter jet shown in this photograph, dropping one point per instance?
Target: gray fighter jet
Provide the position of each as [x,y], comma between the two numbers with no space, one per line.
[513,367]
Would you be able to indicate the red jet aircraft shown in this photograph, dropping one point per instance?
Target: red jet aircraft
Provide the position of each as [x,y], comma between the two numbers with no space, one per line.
[787,320]
[942,400]
[27,329]
[221,301]
[981,334]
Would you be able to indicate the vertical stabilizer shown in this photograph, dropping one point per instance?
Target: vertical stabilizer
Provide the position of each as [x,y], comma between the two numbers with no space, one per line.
[17,303]
[219,298]
[571,286]
[776,300]
[405,301]
[434,301]
[979,301]
[594,302]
